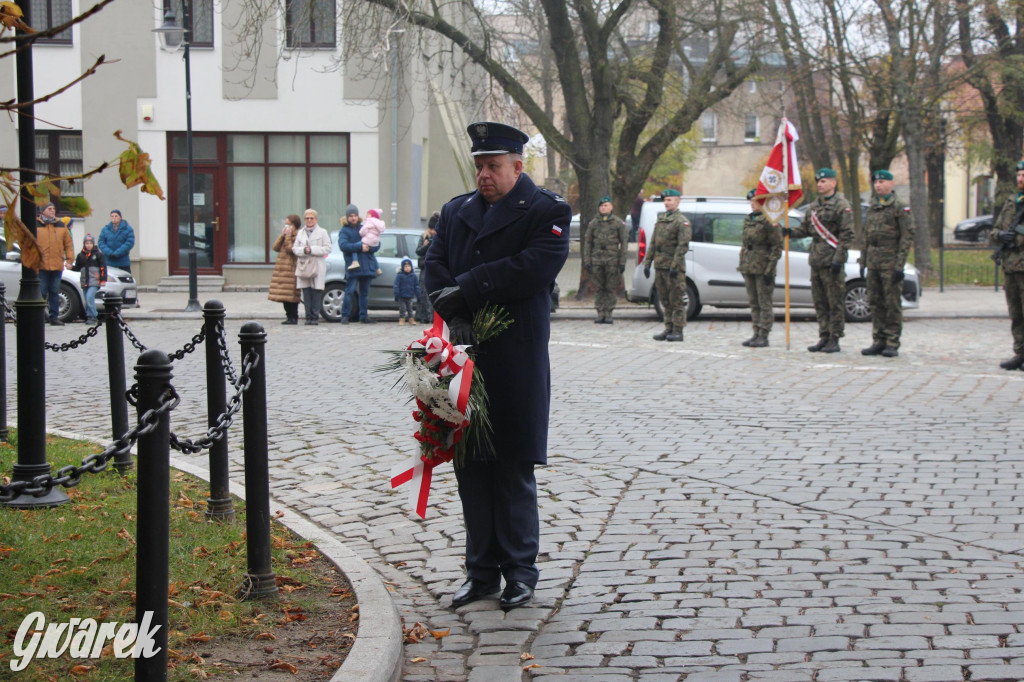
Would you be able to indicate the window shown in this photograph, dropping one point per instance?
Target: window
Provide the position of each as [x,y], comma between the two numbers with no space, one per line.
[200,19]
[310,23]
[724,229]
[751,133]
[45,14]
[753,87]
[59,154]
[709,122]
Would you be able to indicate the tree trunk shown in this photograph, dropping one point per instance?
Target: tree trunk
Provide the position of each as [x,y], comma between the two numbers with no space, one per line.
[913,134]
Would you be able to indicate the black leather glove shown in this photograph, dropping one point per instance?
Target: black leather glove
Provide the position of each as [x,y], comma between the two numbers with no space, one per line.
[647,270]
[460,331]
[449,302]
[836,267]
[897,275]
[673,273]
[622,268]
[787,232]
[1008,237]
[588,267]
[862,271]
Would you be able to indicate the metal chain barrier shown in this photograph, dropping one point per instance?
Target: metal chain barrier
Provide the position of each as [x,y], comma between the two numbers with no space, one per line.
[70,476]
[218,431]
[189,347]
[225,356]
[75,343]
[128,332]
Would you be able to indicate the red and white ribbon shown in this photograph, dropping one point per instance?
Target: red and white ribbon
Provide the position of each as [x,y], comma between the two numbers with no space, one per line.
[451,361]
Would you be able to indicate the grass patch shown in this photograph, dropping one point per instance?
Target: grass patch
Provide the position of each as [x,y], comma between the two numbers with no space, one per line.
[78,561]
[961,266]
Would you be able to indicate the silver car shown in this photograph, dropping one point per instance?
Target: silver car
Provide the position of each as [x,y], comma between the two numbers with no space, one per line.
[395,244]
[711,274]
[72,298]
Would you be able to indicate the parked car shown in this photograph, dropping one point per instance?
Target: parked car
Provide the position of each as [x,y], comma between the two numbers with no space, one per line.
[395,244]
[974,229]
[574,227]
[72,299]
[711,275]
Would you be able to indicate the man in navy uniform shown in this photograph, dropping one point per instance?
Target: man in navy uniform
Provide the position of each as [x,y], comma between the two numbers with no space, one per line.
[502,244]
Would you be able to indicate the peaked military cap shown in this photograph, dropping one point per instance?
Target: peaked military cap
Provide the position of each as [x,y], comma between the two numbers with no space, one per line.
[671,193]
[751,194]
[1020,165]
[604,200]
[824,173]
[496,138]
[881,175]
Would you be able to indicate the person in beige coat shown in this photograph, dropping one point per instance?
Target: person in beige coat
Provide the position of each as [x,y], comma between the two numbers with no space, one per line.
[312,244]
[283,286]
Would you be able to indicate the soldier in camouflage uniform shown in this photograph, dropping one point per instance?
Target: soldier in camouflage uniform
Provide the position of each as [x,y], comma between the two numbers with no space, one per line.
[832,237]
[759,255]
[604,258]
[1008,233]
[666,250]
[888,236]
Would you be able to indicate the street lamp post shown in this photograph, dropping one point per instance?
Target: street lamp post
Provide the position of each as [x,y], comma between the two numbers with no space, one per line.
[172,37]
[393,35]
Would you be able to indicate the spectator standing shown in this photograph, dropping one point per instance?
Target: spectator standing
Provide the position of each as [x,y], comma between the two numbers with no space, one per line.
[407,290]
[425,311]
[311,246]
[116,241]
[93,268]
[283,285]
[504,243]
[358,283]
[58,252]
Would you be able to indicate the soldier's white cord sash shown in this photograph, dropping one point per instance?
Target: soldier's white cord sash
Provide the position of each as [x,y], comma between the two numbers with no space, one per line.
[823,232]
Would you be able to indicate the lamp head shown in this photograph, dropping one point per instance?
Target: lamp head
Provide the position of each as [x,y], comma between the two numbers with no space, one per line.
[172,35]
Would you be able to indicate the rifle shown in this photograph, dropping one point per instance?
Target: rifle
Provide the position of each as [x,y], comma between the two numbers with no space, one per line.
[997,255]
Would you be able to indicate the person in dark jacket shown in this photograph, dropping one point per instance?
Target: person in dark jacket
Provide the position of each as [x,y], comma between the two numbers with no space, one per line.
[425,311]
[503,244]
[407,290]
[93,266]
[358,282]
[116,241]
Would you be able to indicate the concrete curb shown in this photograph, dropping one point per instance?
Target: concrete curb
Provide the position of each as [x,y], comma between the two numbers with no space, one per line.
[376,655]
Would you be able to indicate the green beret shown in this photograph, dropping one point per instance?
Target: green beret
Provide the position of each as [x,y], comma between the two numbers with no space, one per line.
[824,173]
[671,193]
[604,200]
[881,175]
[1020,165]
[751,194]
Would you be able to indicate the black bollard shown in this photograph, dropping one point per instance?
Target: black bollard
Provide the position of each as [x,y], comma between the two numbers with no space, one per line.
[31,309]
[153,373]
[115,368]
[3,363]
[219,507]
[260,580]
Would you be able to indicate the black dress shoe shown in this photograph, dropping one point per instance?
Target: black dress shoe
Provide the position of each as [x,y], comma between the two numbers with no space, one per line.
[290,322]
[516,594]
[471,591]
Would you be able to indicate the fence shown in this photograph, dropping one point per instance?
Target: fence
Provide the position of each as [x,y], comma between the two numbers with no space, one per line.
[155,398]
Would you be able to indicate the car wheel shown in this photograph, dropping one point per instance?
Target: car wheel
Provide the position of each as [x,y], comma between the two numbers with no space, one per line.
[692,301]
[70,305]
[656,302]
[334,294]
[855,304]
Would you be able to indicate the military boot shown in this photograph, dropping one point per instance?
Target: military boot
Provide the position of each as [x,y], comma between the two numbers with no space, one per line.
[832,346]
[599,320]
[822,342]
[663,335]
[890,352]
[759,342]
[675,335]
[1016,362]
[750,341]
[875,348]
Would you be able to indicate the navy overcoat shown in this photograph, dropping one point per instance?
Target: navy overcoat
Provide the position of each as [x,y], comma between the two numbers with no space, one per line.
[509,254]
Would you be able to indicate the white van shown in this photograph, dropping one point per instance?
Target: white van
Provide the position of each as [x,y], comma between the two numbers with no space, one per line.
[711,274]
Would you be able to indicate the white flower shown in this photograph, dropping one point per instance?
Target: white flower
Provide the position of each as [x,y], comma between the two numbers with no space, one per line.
[424,383]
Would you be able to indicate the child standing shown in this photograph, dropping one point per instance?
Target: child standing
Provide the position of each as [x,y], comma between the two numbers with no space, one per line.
[93,266]
[369,234]
[407,290]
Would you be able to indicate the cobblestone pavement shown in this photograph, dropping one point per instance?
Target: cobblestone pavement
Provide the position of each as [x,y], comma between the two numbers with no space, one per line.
[710,512]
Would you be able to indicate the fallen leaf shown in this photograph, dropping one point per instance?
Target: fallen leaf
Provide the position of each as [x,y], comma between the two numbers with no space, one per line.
[526,656]
[282,665]
[265,635]
[418,659]
[438,634]
[201,637]
[532,666]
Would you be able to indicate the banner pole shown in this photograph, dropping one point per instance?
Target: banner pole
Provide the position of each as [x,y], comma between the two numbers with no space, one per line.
[785,219]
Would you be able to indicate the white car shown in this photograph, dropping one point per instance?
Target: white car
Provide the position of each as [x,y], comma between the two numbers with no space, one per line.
[711,274]
[72,299]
